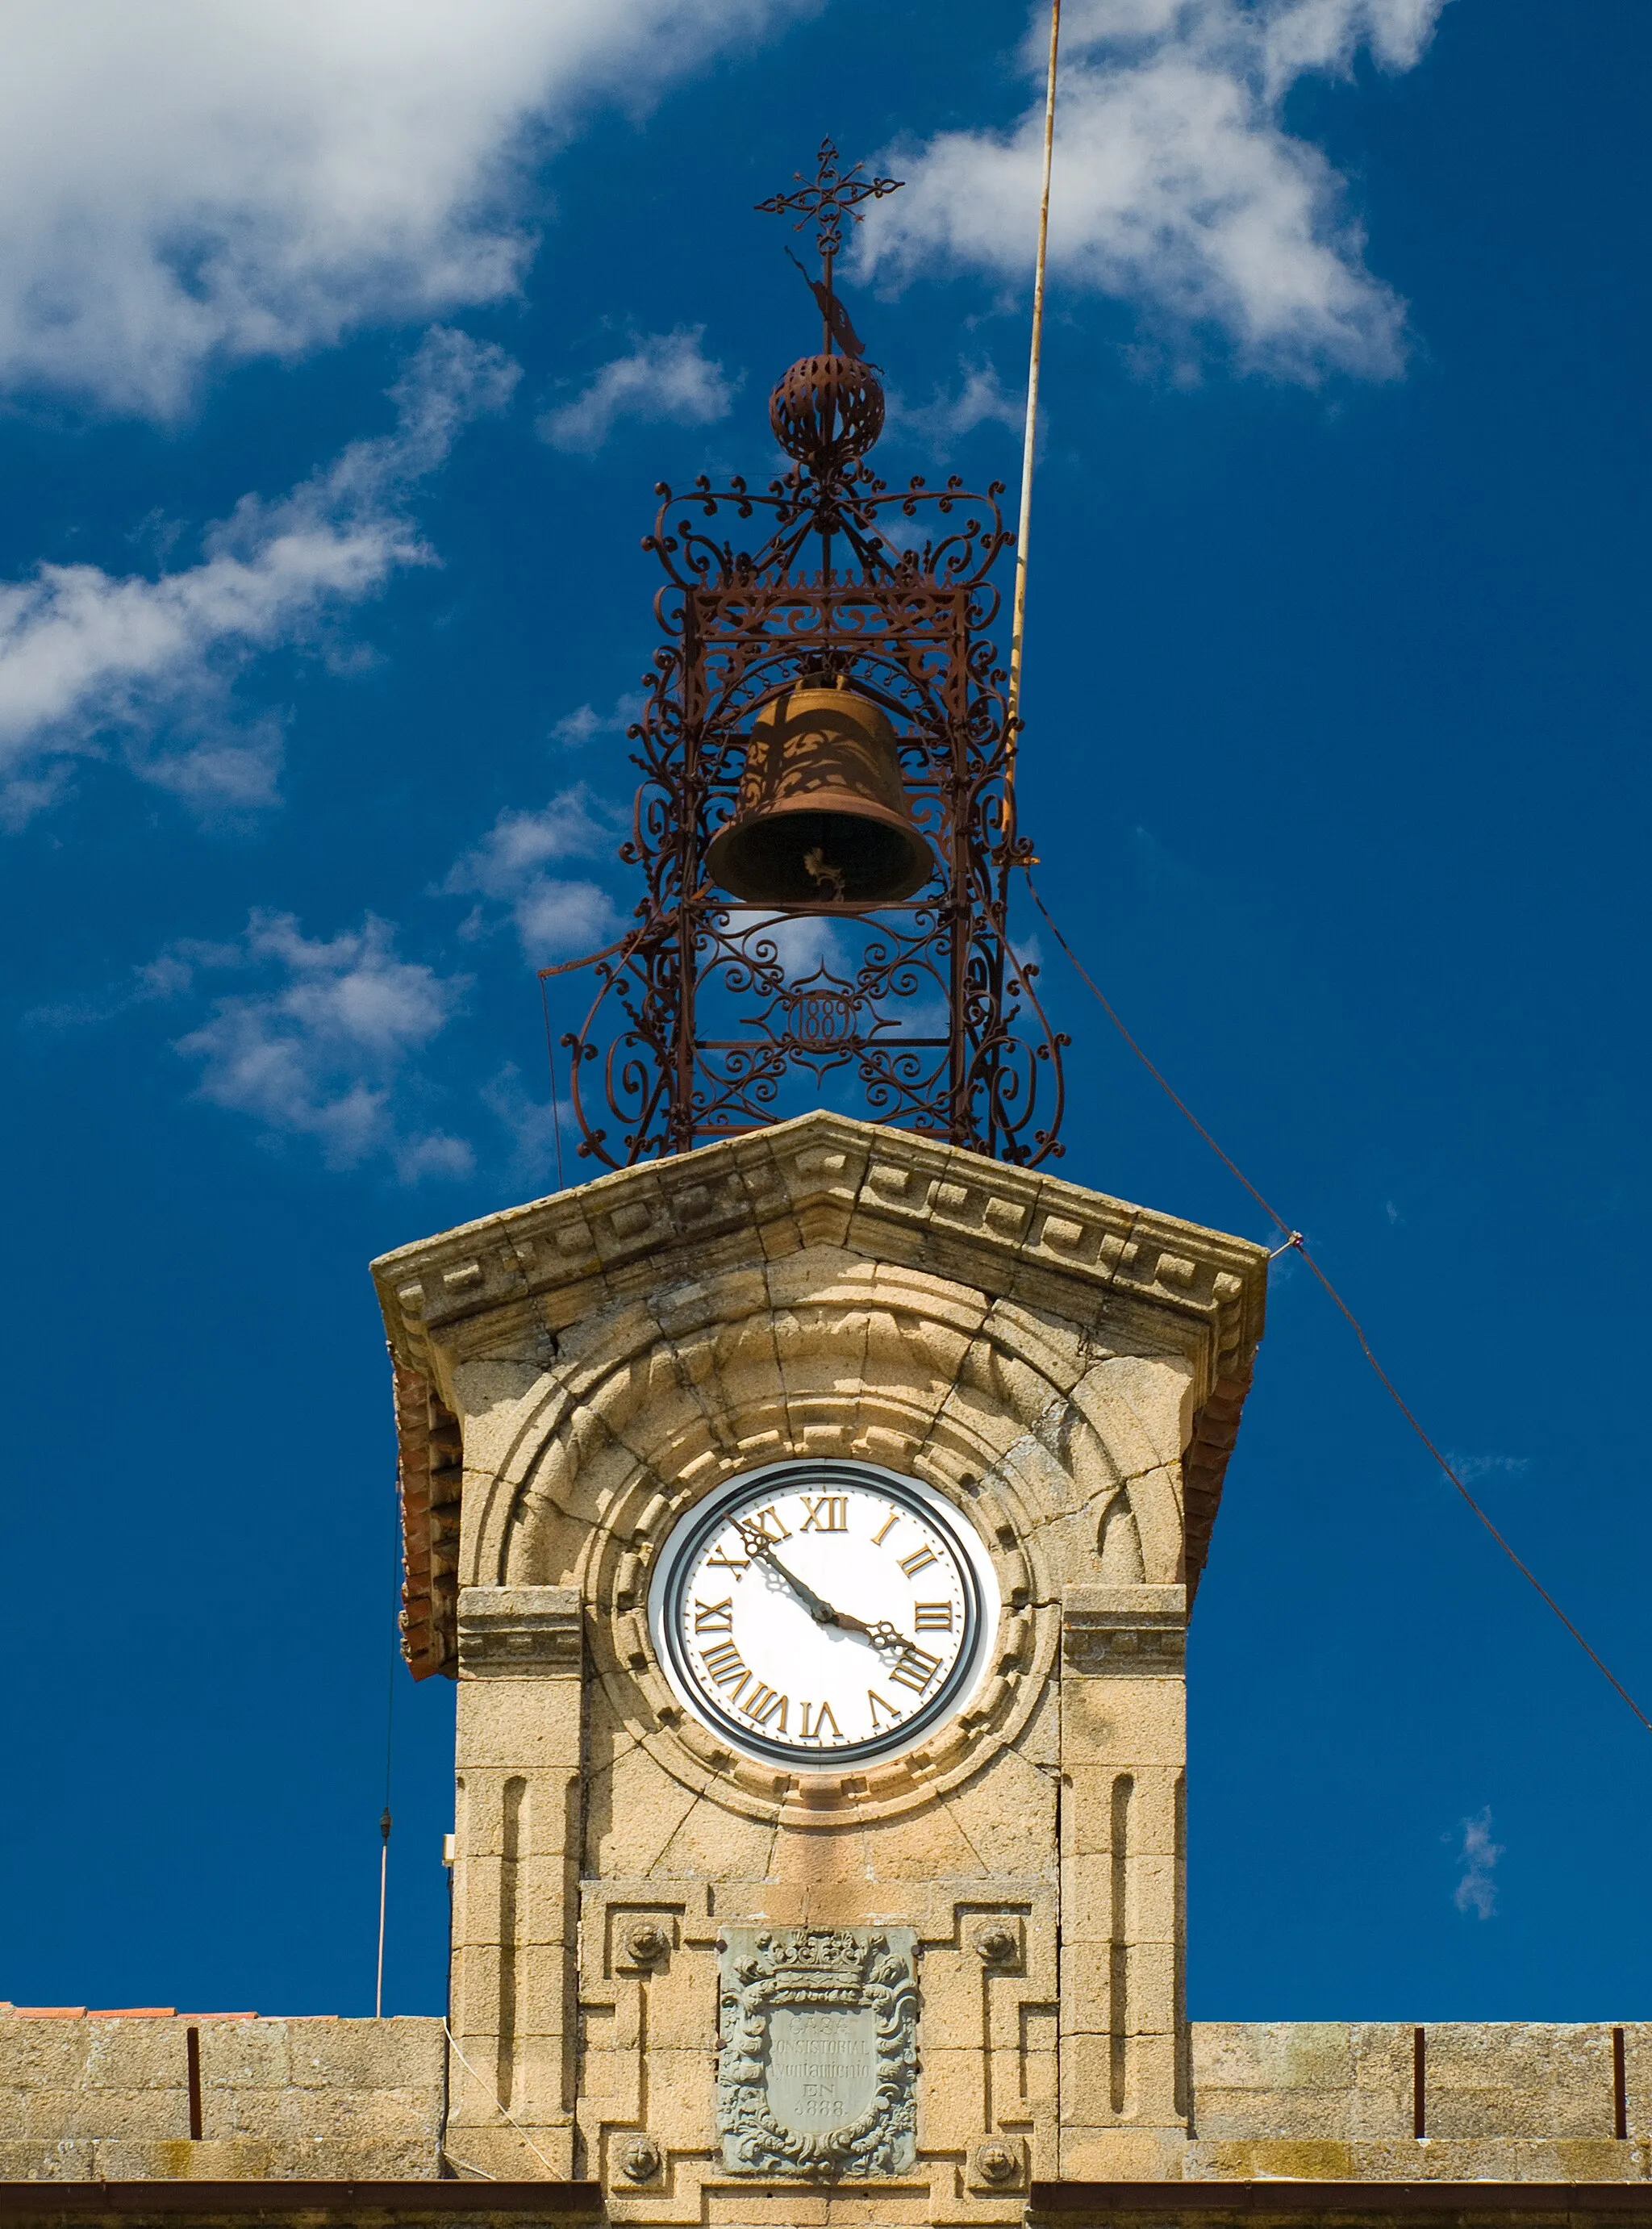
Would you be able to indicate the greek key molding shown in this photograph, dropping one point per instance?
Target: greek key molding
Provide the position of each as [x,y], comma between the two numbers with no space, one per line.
[770,1973]
[509,1632]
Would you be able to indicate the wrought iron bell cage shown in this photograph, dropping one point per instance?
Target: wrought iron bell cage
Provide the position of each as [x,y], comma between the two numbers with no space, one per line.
[713,1014]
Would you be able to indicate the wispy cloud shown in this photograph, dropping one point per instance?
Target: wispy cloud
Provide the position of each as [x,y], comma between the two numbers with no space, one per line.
[553,917]
[665,377]
[979,399]
[92,662]
[584,724]
[321,1048]
[185,185]
[1477,1855]
[1470,1468]
[1177,186]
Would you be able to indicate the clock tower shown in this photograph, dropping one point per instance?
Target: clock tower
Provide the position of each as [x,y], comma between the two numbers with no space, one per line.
[810,1522]
[809,1508]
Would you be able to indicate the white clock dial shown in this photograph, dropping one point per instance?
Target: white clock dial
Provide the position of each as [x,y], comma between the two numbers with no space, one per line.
[823,1609]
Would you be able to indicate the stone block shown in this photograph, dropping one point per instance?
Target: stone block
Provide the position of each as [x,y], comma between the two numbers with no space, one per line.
[527,1725]
[1116,2154]
[1518,2080]
[949,2098]
[1301,2159]
[153,2116]
[1113,1719]
[678,2108]
[366,2055]
[1272,2056]
[42,2054]
[243,2054]
[133,2054]
[1271,2115]
[67,2159]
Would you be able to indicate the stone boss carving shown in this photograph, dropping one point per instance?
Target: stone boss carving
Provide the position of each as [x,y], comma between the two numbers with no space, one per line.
[819,2057]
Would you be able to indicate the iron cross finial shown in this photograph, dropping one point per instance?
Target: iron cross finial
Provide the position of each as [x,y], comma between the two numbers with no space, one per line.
[828,197]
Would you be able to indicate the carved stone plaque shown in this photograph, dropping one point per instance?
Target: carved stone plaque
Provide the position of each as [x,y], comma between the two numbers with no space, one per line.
[819,2057]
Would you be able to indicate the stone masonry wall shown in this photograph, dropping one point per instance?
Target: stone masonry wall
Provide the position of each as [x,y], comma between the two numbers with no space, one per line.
[1335,2100]
[89,2098]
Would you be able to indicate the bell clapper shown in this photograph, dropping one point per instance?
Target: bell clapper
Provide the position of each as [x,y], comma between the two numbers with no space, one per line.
[828,878]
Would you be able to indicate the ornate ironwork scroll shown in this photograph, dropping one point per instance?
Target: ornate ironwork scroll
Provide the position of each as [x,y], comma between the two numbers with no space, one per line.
[712,1017]
[817,2066]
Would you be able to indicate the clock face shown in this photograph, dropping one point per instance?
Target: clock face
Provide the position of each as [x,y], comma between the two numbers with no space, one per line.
[823,1609]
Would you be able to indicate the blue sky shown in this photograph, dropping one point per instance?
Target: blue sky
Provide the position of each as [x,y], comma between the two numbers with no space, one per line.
[340,351]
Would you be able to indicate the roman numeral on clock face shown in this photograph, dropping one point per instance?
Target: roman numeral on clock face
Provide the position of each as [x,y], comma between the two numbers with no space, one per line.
[916,1670]
[725,1667]
[927,1617]
[817,1730]
[764,1705]
[718,1617]
[828,1512]
[919,1560]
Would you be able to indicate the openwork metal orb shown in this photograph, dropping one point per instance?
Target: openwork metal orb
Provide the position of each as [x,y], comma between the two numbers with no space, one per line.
[827,410]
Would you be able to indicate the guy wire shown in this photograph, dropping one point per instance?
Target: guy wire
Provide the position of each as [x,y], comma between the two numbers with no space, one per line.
[551,1061]
[1017,625]
[389,1731]
[1294,1242]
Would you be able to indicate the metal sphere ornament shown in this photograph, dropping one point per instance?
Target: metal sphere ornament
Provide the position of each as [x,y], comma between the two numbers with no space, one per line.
[827,410]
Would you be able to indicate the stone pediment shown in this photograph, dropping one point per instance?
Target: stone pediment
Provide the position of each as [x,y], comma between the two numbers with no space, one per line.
[511,1281]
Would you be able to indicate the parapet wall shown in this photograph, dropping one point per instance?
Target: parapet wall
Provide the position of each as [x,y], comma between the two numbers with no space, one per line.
[1340,2101]
[90,2098]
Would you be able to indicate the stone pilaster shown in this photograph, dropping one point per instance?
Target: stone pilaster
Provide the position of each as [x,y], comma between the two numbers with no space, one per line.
[518,1760]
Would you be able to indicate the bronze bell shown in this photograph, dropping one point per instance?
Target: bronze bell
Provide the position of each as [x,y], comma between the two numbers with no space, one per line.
[821,817]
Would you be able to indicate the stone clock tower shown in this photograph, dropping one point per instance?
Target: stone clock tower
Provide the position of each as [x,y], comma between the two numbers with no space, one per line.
[809,1510]
[810,1521]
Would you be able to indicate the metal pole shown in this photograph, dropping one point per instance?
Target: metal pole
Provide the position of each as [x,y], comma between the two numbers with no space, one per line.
[383,1872]
[1019,623]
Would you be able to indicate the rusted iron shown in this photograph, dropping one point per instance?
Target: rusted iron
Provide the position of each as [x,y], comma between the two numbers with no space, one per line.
[772,967]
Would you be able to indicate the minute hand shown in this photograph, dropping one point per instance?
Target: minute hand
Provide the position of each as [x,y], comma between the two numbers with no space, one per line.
[757,1544]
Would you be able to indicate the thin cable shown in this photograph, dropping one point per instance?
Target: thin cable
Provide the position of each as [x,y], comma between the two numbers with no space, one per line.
[1017,625]
[551,1061]
[1294,1242]
[497,2103]
[389,1734]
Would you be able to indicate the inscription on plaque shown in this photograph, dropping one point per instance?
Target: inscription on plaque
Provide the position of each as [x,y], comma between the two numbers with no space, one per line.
[817,2056]
[822,2066]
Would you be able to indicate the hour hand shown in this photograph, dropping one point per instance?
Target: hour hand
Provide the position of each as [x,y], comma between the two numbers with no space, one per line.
[882,1634]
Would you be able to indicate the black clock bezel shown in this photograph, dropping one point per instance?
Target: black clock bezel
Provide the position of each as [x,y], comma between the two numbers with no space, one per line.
[792,1474]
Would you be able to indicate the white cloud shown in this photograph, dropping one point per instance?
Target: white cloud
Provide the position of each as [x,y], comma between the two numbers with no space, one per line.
[1176,184]
[1476,1891]
[320,1050]
[981,400]
[89,658]
[1470,1468]
[585,722]
[536,1153]
[666,375]
[186,183]
[553,918]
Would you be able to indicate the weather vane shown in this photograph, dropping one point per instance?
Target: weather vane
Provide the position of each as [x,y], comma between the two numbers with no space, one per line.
[827,199]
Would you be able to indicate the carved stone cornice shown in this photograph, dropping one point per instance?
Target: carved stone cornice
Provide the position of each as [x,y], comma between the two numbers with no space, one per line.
[517,1632]
[828,1179]
[1132,1630]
